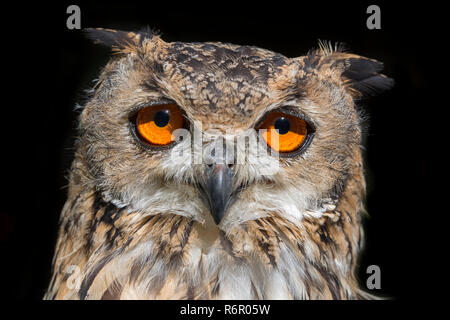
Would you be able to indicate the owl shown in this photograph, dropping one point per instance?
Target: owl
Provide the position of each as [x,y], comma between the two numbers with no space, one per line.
[216,171]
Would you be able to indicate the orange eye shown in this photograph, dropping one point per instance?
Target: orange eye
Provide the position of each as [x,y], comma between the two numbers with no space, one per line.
[284,132]
[155,124]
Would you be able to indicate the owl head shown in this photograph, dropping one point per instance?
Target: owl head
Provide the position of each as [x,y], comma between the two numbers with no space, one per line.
[216,171]
[221,133]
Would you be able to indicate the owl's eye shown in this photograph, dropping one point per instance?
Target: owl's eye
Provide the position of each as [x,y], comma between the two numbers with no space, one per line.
[155,124]
[284,132]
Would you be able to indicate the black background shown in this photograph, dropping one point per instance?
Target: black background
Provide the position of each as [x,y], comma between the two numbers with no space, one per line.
[55,65]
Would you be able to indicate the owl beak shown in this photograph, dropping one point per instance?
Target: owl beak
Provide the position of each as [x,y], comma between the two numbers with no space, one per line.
[218,188]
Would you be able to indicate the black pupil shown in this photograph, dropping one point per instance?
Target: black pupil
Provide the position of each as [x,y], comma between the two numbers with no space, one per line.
[283,125]
[162,118]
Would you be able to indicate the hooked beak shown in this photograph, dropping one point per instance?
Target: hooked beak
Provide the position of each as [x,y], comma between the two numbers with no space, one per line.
[218,189]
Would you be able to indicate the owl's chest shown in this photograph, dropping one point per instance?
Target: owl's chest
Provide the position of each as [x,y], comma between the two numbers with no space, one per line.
[196,263]
[201,274]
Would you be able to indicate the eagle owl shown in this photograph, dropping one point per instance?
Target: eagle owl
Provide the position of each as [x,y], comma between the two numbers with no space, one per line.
[167,201]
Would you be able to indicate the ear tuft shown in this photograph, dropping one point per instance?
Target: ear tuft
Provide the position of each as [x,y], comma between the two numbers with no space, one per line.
[118,39]
[363,76]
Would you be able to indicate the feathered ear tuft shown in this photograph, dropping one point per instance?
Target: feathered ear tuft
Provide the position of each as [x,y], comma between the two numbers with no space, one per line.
[118,40]
[362,75]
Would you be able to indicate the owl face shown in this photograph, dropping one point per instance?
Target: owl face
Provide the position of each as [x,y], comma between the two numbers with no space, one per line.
[216,171]
[221,133]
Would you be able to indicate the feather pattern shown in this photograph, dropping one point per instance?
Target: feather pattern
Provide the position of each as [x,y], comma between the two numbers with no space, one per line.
[136,224]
